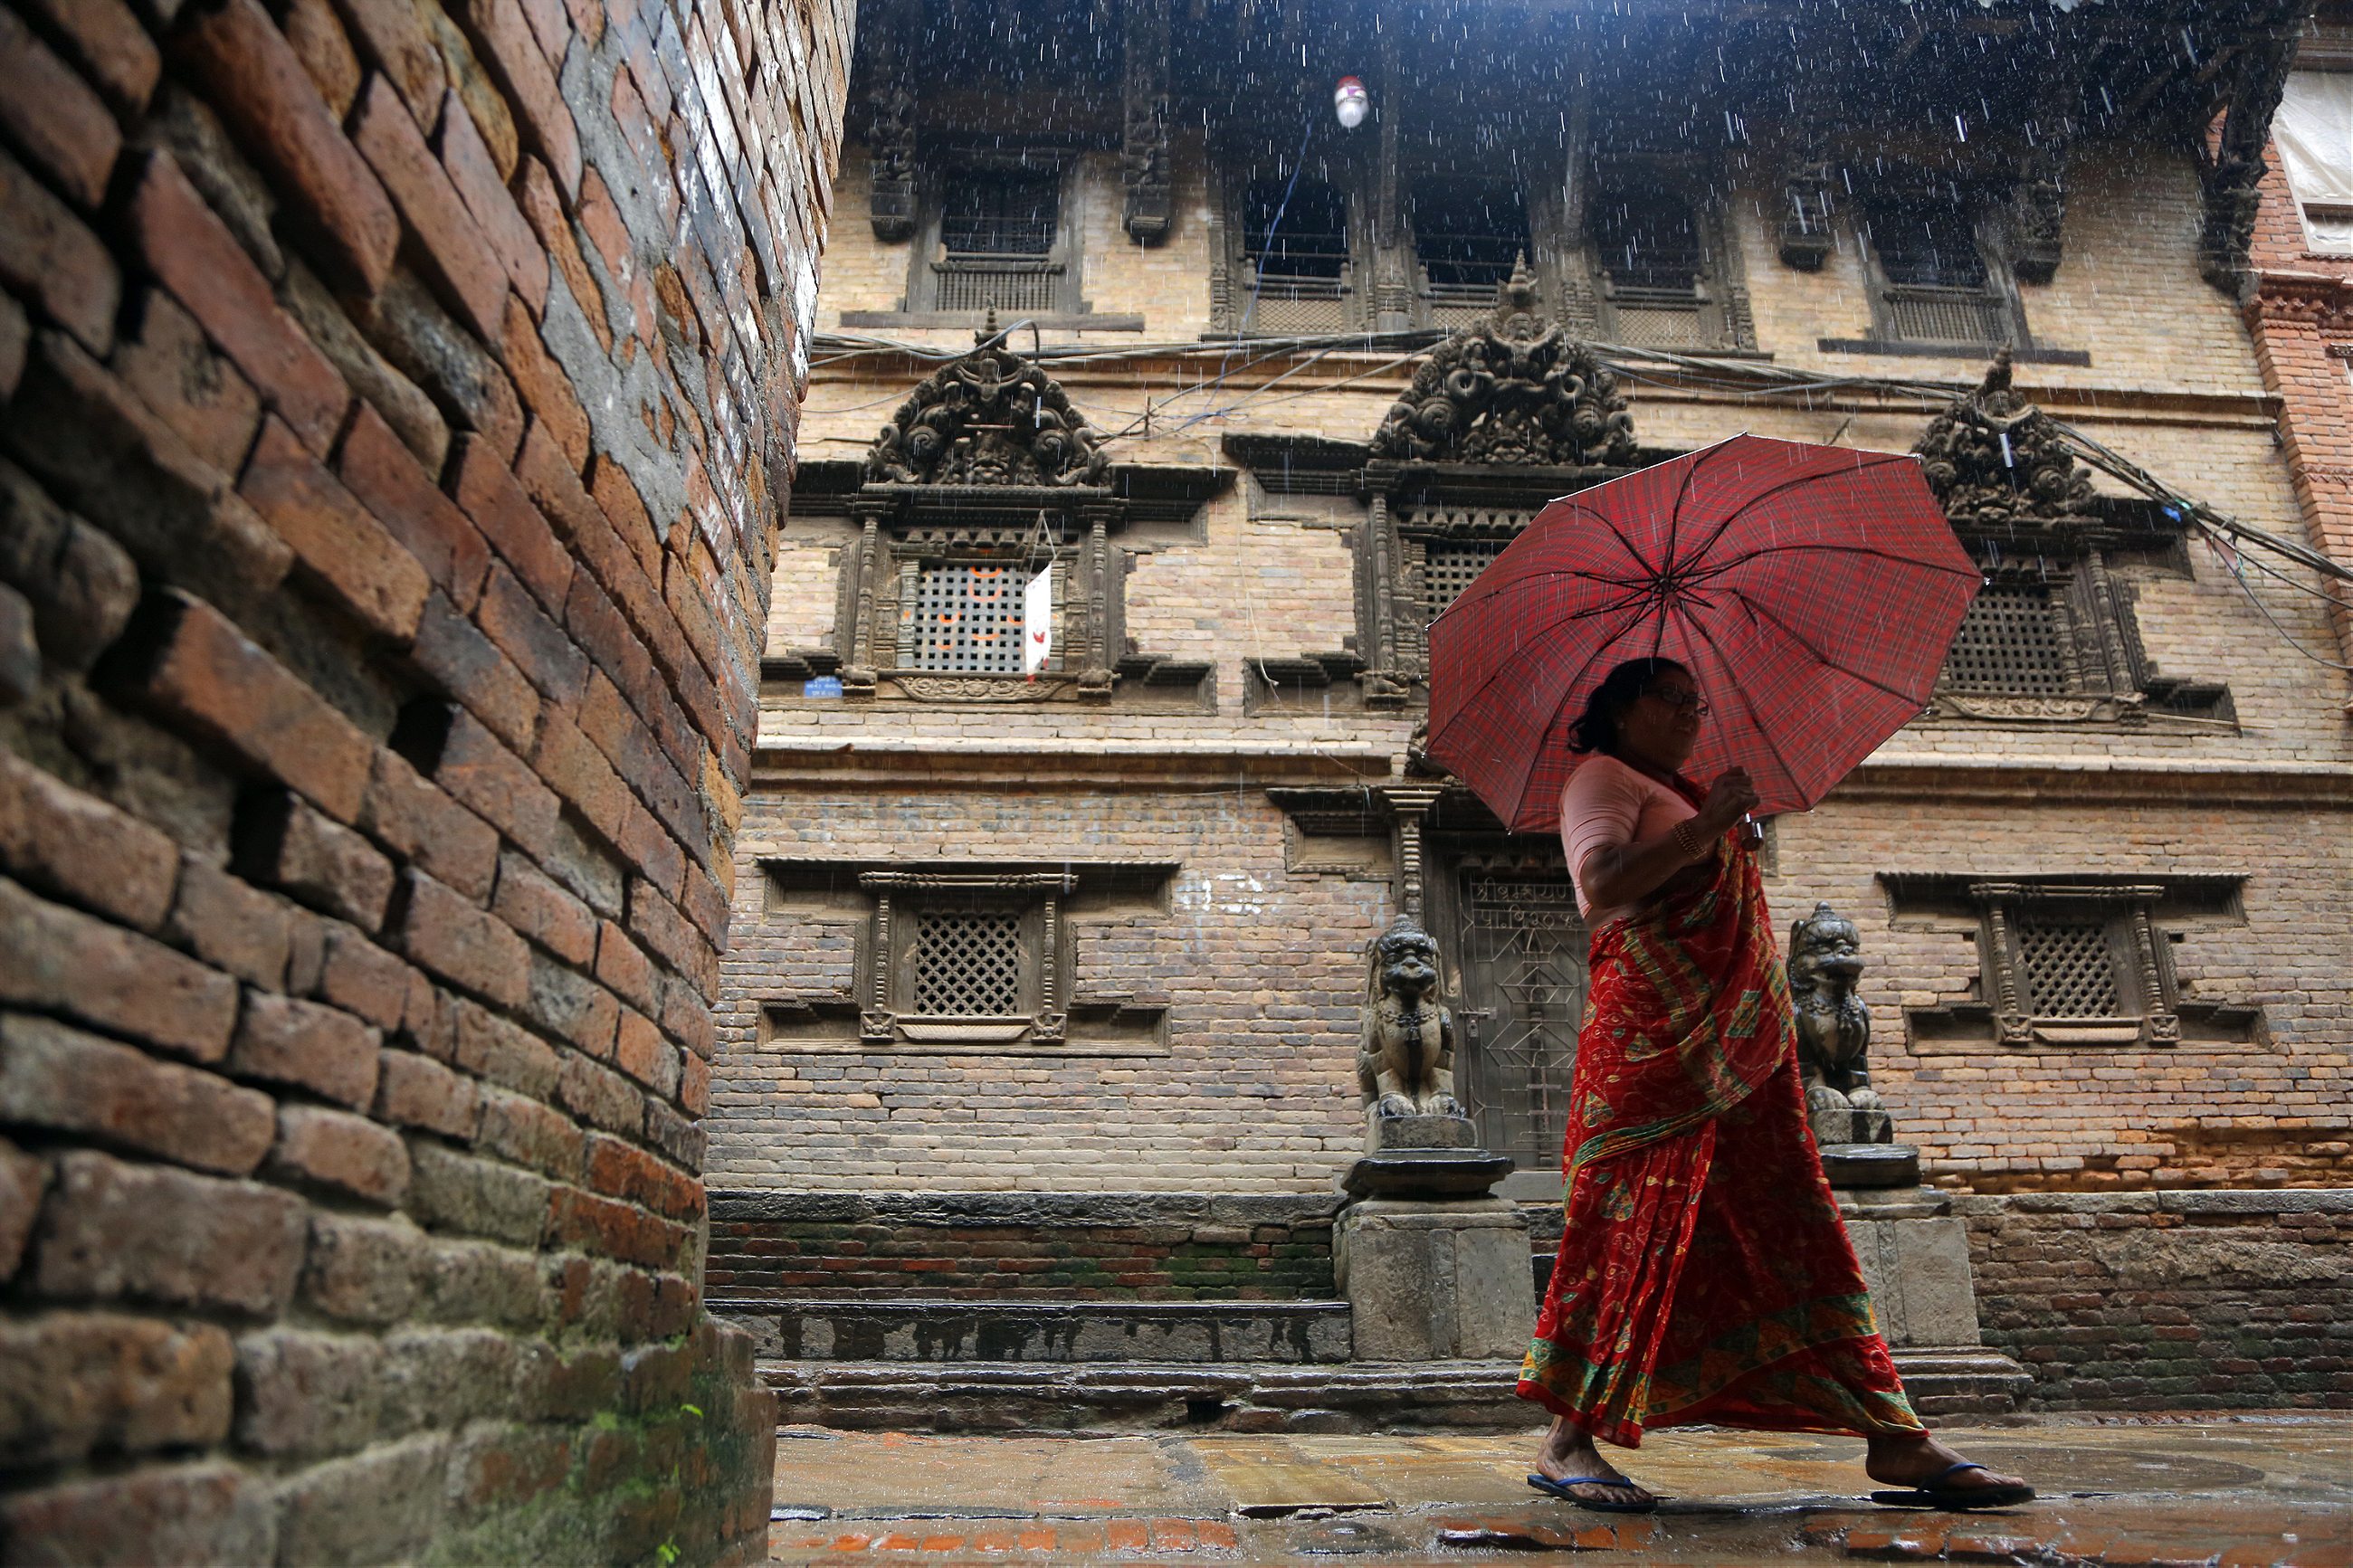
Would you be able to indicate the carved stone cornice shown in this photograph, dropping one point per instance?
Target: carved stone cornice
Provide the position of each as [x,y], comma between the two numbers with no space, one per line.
[1515,389]
[1995,461]
[992,417]
[2323,300]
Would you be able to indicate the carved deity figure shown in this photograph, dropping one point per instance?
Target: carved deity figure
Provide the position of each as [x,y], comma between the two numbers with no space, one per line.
[1406,1064]
[1834,1031]
[1995,460]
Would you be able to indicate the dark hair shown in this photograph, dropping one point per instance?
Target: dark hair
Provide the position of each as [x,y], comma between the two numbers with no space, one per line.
[1596,729]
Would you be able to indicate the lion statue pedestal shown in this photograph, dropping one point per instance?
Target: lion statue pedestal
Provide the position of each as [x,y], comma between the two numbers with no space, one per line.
[1434,1269]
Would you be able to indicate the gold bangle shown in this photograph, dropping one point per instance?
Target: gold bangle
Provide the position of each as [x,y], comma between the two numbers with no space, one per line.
[1686,842]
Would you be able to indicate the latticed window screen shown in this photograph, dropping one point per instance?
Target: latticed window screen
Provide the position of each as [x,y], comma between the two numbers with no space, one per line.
[967,963]
[1010,288]
[1447,569]
[965,618]
[2009,643]
[2071,969]
[984,212]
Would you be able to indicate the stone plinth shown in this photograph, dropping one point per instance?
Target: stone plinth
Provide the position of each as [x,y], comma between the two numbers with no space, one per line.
[1871,1164]
[1916,1257]
[1435,1280]
[1424,1157]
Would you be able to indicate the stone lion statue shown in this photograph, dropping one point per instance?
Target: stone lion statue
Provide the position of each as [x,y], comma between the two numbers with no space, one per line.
[1834,1031]
[1406,1064]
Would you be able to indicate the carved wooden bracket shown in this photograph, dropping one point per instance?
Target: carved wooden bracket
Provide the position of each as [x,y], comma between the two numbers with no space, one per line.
[1144,147]
[891,132]
[2232,168]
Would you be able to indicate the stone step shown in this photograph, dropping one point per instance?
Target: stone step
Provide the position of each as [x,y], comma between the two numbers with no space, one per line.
[959,1331]
[1264,1397]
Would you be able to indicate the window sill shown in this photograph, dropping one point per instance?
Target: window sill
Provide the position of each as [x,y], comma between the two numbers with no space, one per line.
[1051,321]
[1081,1047]
[1897,349]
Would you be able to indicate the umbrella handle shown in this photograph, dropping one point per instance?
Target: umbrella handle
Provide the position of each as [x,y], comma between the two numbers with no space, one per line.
[1752,832]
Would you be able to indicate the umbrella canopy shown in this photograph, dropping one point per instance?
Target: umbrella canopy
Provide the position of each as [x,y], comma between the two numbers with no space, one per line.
[1811,591]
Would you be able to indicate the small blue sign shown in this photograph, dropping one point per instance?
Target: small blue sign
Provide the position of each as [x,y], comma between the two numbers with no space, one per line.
[822,686]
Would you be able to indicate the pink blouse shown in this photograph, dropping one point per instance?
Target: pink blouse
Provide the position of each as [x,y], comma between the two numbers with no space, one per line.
[1608,803]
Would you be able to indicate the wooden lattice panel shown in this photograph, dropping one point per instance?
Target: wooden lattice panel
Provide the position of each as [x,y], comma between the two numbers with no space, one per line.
[1447,569]
[967,963]
[1006,288]
[2070,971]
[2009,643]
[966,618]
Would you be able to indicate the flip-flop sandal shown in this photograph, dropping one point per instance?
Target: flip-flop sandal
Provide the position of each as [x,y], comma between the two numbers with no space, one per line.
[1933,1493]
[1560,1490]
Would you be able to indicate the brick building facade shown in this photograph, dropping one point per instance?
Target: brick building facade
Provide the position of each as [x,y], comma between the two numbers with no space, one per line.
[1102,931]
[396,408]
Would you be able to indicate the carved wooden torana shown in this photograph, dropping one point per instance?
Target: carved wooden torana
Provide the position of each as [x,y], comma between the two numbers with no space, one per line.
[989,418]
[1995,461]
[1515,389]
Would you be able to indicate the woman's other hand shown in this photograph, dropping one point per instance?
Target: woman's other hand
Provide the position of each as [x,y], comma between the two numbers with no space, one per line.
[1730,798]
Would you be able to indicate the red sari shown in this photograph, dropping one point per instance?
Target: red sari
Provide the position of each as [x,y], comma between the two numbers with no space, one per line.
[1704,1273]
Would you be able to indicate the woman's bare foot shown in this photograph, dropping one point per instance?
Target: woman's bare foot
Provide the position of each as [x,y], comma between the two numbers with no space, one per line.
[1568,1454]
[1912,1459]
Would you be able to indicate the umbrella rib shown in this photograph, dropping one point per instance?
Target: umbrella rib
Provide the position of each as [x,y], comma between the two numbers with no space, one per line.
[1675,511]
[1799,637]
[1754,721]
[1872,550]
[1497,674]
[1761,496]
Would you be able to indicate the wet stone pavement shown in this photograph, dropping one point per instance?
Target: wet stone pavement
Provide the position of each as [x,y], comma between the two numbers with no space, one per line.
[2233,1491]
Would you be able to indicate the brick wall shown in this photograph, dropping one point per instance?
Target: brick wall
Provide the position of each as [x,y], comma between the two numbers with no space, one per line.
[396,401]
[1002,1247]
[2169,1301]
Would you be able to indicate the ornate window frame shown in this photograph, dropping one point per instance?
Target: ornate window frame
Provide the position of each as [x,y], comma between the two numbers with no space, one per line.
[1723,316]
[894,951]
[1230,273]
[2138,921]
[1041,286]
[1898,309]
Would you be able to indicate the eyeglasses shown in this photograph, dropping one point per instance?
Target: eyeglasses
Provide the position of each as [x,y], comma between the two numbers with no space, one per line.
[1674,697]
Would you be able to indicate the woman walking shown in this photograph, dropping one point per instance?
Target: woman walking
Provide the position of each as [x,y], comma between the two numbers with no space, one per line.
[1704,1273]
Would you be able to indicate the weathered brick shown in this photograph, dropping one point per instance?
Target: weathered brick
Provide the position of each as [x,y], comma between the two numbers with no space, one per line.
[471,81]
[75,1383]
[449,244]
[476,174]
[531,902]
[383,473]
[449,1190]
[365,1270]
[253,77]
[483,1282]
[417,820]
[66,961]
[568,1004]
[230,925]
[412,330]
[349,1154]
[397,42]
[499,506]
[180,1513]
[613,1229]
[286,844]
[640,1050]
[468,761]
[417,1092]
[695,1084]
[323,1050]
[108,44]
[620,1170]
[361,978]
[81,584]
[544,209]
[75,845]
[111,458]
[383,1505]
[656,923]
[623,966]
[335,538]
[318,40]
[15,342]
[149,1233]
[523,1130]
[194,389]
[600,1096]
[492,1048]
[59,123]
[22,1178]
[578,772]
[301,1394]
[62,1079]
[444,934]
[453,652]
[505,36]
[195,257]
[50,256]
[198,670]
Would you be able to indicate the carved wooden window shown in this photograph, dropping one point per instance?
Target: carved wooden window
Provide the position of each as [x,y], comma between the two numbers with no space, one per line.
[965,959]
[1450,566]
[2065,963]
[1652,265]
[994,234]
[2010,641]
[965,616]
[1296,272]
[1466,238]
[1933,284]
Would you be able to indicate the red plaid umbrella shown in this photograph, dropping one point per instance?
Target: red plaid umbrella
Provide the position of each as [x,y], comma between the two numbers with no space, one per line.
[1811,591]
